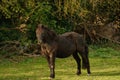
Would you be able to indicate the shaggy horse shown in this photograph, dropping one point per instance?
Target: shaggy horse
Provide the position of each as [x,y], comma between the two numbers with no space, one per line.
[62,46]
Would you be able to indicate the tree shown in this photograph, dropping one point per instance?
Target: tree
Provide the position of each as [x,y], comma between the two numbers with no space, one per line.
[61,15]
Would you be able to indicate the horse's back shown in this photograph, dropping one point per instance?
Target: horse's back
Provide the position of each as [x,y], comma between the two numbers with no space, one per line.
[78,39]
[68,43]
[69,33]
[74,36]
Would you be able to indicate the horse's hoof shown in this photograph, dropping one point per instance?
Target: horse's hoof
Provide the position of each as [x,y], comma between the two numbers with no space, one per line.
[88,74]
[78,73]
[52,76]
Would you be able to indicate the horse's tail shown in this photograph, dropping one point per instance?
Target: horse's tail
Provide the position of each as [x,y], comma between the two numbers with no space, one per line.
[85,60]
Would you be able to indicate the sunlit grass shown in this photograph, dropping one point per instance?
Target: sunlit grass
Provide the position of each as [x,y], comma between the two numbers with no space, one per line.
[102,68]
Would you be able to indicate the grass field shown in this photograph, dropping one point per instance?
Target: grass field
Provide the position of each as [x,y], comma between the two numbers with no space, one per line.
[105,65]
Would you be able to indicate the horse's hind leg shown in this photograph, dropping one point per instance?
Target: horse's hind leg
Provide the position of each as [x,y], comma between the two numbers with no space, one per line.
[86,63]
[78,60]
[85,59]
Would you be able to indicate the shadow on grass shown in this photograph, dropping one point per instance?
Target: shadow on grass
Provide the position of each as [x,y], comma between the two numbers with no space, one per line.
[110,73]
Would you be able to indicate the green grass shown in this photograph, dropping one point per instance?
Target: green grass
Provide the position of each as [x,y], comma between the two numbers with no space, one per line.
[105,65]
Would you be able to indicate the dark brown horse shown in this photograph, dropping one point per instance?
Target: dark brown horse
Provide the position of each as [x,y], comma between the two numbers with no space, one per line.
[62,46]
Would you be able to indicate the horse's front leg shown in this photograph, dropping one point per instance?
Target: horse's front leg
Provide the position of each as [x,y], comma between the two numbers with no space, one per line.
[51,62]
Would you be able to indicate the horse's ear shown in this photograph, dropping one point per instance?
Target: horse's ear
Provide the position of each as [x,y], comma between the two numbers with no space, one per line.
[40,26]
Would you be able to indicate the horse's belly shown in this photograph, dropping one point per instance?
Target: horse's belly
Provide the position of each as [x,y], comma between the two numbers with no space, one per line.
[66,47]
[65,53]
[62,55]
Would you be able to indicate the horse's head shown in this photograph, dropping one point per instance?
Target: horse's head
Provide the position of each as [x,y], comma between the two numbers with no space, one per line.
[39,33]
[44,34]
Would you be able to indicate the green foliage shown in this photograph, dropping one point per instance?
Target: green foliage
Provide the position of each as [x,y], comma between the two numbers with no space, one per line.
[41,14]
[9,35]
[108,9]
[60,15]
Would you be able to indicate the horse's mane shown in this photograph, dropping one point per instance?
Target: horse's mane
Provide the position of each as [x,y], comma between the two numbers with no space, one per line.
[51,32]
[50,35]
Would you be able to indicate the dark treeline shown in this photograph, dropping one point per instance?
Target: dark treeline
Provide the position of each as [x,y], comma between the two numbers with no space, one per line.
[18,18]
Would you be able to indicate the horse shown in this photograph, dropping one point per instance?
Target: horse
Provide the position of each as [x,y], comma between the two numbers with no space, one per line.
[62,46]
